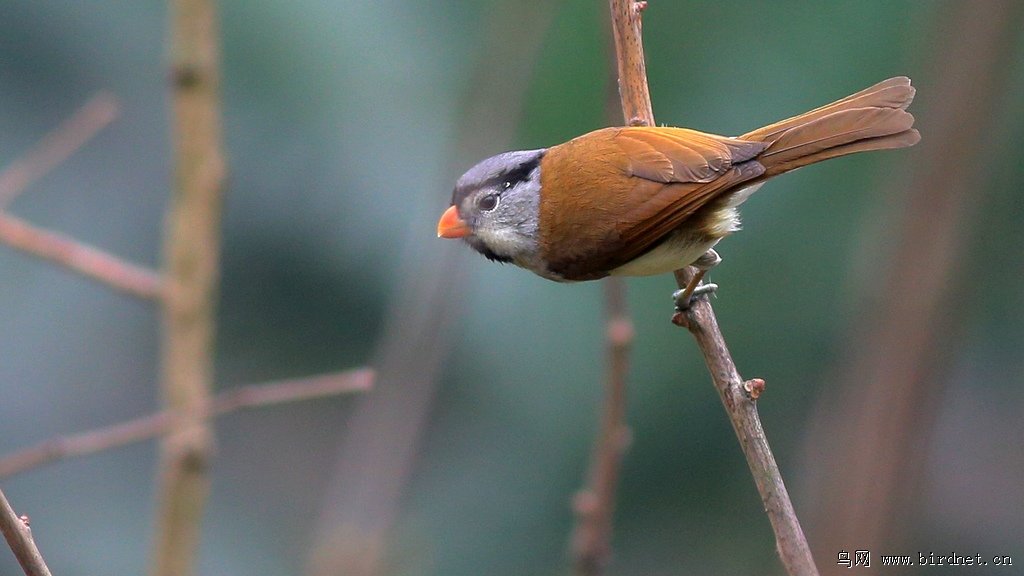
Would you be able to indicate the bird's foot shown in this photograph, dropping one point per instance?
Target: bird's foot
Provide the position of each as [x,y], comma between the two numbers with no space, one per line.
[686,297]
[695,289]
[684,301]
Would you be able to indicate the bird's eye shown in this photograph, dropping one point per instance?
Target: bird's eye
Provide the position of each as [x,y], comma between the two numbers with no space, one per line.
[488,202]
[506,185]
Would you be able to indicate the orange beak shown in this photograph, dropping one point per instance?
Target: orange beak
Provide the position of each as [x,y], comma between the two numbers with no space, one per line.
[451,226]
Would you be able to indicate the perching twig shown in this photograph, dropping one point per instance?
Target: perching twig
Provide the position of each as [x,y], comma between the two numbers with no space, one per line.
[701,321]
[79,257]
[57,146]
[146,427]
[19,537]
[191,253]
[595,504]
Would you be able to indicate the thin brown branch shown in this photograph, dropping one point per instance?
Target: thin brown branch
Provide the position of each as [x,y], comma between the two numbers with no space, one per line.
[81,258]
[634,94]
[153,425]
[701,321]
[595,505]
[742,411]
[58,145]
[192,254]
[19,537]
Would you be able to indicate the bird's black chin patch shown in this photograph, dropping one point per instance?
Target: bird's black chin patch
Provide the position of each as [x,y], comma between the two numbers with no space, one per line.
[493,257]
[479,245]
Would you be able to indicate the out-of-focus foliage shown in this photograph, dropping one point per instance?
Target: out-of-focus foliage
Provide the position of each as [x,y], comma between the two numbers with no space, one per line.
[340,117]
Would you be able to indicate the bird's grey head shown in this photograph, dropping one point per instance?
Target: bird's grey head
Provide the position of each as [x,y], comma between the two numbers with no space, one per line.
[499,200]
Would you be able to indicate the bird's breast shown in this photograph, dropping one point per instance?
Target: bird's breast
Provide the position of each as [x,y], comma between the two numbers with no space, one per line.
[584,196]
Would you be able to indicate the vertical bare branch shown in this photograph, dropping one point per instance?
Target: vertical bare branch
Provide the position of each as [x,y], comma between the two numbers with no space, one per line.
[19,537]
[736,395]
[627,30]
[595,505]
[894,375]
[191,252]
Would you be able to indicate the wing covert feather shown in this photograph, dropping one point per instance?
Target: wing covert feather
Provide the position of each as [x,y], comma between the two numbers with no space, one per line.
[682,155]
[618,192]
[662,176]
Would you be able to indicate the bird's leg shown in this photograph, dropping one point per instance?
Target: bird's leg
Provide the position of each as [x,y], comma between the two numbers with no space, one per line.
[706,262]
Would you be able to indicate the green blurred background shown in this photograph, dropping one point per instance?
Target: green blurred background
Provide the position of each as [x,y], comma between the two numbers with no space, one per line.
[341,122]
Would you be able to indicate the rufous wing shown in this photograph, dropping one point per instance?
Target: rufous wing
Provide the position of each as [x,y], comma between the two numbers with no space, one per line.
[705,166]
[611,195]
[640,184]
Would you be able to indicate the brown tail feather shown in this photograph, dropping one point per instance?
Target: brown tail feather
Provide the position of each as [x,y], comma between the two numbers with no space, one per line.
[899,140]
[872,119]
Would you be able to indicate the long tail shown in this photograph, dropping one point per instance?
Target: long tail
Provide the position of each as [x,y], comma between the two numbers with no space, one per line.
[872,119]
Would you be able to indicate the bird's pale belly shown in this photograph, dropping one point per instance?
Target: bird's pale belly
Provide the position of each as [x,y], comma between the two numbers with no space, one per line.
[689,242]
[677,251]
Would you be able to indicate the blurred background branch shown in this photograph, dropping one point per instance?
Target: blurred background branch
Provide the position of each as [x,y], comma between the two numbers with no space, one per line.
[192,260]
[146,427]
[76,256]
[57,146]
[80,258]
[595,504]
[867,468]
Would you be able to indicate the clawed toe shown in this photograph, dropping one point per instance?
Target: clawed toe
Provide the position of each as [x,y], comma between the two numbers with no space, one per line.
[684,301]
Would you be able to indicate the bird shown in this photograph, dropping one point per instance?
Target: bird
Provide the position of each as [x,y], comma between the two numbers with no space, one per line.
[645,200]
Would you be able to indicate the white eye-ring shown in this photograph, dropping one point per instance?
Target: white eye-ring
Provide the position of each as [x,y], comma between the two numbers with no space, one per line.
[506,185]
